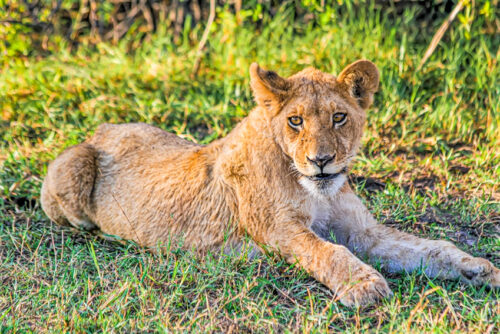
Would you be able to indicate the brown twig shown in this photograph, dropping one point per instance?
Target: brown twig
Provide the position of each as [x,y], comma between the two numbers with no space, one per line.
[196,10]
[149,15]
[440,32]
[95,31]
[203,41]
[121,29]
[179,21]
[237,9]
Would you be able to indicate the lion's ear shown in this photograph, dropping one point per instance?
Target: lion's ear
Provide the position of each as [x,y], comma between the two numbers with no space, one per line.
[361,80]
[269,89]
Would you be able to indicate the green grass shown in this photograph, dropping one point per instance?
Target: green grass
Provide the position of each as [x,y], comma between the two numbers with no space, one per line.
[430,165]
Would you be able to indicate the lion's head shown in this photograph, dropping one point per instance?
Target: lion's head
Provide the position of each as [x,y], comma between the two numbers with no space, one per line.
[317,119]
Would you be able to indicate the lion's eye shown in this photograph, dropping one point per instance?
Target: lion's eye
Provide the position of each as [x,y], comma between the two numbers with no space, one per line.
[339,118]
[295,121]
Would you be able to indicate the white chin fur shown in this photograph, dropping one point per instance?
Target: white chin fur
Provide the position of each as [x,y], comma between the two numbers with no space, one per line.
[329,190]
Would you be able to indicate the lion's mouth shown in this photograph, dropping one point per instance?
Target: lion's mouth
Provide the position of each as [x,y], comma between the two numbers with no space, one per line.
[326,177]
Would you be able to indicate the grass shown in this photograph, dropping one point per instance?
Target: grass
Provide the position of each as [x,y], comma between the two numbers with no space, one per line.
[430,165]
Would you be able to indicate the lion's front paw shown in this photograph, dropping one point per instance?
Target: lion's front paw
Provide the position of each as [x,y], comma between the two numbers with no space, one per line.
[478,271]
[365,291]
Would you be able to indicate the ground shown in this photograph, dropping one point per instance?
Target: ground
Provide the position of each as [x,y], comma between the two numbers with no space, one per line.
[429,165]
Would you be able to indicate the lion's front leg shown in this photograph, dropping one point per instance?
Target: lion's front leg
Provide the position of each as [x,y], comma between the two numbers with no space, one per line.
[353,282]
[353,226]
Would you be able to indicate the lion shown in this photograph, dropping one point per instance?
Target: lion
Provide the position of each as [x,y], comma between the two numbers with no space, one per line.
[279,178]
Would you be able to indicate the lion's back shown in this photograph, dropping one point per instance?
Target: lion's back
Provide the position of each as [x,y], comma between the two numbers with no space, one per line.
[136,136]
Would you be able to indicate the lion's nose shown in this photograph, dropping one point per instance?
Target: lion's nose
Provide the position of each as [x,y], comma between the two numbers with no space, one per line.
[321,160]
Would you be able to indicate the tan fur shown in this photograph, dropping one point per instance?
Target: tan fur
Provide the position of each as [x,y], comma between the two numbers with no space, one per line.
[141,183]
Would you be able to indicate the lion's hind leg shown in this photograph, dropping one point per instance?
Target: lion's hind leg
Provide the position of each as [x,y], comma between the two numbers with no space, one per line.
[67,188]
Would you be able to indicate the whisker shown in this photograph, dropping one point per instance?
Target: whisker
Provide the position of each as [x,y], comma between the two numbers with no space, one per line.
[293,170]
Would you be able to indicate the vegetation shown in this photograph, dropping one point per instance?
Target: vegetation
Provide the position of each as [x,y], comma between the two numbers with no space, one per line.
[430,164]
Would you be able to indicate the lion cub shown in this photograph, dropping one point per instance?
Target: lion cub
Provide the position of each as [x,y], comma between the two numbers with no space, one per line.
[279,177]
